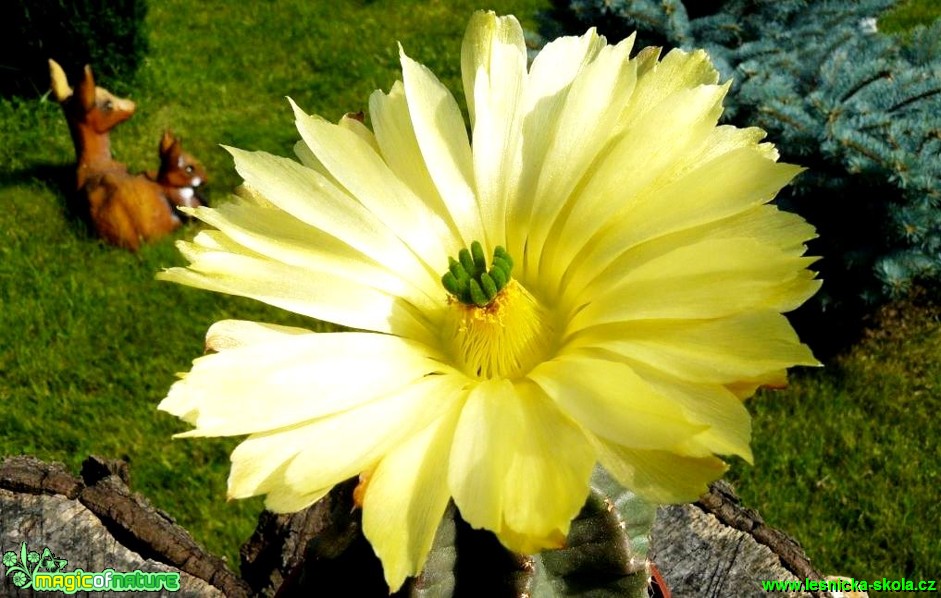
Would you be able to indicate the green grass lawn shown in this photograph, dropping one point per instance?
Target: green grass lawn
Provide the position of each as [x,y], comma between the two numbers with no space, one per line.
[89,341]
[908,14]
[846,458]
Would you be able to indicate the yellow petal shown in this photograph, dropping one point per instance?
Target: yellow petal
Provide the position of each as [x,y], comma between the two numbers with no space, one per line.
[399,148]
[555,68]
[247,194]
[612,401]
[288,501]
[406,497]
[506,472]
[725,138]
[608,261]
[300,290]
[728,350]
[728,423]
[310,160]
[311,456]
[493,50]
[745,389]
[493,64]
[282,237]
[660,476]
[677,71]
[305,376]
[550,78]
[365,176]
[310,197]
[357,126]
[640,161]
[732,184]
[258,465]
[229,334]
[344,444]
[442,136]
[582,135]
[710,279]
[764,224]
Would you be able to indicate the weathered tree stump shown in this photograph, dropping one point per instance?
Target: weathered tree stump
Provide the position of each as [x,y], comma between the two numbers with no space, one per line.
[96,523]
[714,547]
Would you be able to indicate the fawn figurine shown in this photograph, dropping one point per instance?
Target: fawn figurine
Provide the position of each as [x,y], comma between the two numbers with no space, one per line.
[125,209]
[180,175]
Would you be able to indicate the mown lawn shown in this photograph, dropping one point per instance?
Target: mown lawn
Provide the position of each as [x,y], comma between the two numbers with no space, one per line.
[89,341]
[847,457]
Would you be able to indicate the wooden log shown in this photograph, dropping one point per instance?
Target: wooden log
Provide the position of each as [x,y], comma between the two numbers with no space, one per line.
[714,547]
[96,523]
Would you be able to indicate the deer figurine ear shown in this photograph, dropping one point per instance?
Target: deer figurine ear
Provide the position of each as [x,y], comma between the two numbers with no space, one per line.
[167,141]
[86,89]
[59,83]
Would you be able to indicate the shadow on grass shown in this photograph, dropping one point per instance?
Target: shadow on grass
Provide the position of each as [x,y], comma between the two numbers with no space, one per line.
[60,180]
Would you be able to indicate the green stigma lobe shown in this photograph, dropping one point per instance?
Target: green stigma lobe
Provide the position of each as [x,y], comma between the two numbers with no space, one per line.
[469,280]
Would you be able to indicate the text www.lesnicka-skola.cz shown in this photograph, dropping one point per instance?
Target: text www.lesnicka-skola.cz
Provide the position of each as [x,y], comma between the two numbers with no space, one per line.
[848,584]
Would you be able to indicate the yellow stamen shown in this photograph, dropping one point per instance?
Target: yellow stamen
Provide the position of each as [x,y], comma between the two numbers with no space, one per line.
[503,339]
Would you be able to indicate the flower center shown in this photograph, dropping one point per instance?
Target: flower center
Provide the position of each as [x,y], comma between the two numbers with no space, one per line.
[468,279]
[495,327]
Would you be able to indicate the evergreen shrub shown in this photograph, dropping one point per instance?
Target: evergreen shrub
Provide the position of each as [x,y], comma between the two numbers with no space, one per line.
[859,108]
[107,34]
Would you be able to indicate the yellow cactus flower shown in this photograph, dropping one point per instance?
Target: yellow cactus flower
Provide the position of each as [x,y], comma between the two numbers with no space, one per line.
[597,277]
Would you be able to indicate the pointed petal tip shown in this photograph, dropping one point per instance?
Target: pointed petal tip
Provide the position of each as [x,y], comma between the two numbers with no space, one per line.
[169,274]
[522,543]
[482,16]
[299,113]
[235,152]
[489,22]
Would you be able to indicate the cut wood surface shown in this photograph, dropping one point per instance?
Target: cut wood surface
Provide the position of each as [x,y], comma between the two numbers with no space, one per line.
[715,547]
[96,523]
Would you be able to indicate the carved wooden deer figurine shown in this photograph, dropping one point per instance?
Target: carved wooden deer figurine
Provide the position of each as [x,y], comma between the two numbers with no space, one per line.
[125,209]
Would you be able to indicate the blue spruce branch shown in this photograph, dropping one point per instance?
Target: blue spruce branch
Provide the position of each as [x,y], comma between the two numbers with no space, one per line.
[860,108]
